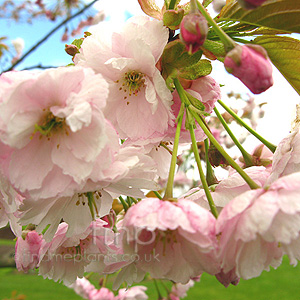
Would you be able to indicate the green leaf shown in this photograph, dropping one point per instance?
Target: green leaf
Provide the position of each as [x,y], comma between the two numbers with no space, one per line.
[77,43]
[202,68]
[216,48]
[276,14]
[284,53]
[173,18]
[177,62]
[207,2]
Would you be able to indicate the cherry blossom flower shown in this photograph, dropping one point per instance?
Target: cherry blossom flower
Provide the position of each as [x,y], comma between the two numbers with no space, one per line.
[129,171]
[171,240]
[101,294]
[139,103]
[259,226]
[180,290]
[286,158]
[10,201]
[58,129]
[27,251]
[133,293]
[64,258]
[82,287]
[228,188]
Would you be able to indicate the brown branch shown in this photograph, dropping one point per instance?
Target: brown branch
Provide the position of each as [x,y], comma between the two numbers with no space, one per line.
[49,34]
[39,66]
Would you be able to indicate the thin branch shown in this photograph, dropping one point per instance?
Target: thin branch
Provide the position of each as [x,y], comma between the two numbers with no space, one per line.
[39,66]
[49,34]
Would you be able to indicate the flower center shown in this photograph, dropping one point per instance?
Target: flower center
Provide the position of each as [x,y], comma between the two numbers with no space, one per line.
[50,125]
[132,82]
[90,199]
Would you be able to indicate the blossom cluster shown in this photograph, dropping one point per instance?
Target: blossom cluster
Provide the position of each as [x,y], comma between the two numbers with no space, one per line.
[74,139]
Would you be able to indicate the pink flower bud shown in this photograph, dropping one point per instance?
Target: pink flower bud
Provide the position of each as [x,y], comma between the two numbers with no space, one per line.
[193,31]
[251,65]
[251,4]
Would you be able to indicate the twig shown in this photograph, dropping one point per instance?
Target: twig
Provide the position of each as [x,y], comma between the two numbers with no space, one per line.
[49,34]
[39,66]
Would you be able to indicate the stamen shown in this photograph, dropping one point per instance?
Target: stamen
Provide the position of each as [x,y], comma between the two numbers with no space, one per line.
[133,81]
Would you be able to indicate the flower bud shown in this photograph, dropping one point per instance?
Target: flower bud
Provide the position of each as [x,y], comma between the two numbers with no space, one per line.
[71,49]
[251,4]
[251,65]
[193,31]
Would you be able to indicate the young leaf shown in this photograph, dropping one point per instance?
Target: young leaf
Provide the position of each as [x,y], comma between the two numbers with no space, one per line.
[77,43]
[276,14]
[177,62]
[202,68]
[284,53]
[150,8]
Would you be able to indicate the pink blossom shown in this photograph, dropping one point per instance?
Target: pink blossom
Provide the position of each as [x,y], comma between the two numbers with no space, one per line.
[64,258]
[10,201]
[102,294]
[251,65]
[82,287]
[228,188]
[58,129]
[127,173]
[286,158]
[180,290]
[133,293]
[27,251]
[259,226]
[171,240]
[193,31]
[127,60]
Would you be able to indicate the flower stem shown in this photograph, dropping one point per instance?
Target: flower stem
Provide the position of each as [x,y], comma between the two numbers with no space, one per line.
[169,188]
[252,131]
[90,197]
[123,202]
[157,194]
[226,40]
[164,146]
[210,175]
[157,289]
[247,157]
[193,6]
[172,4]
[133,200]
[244,175]
[201,173]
